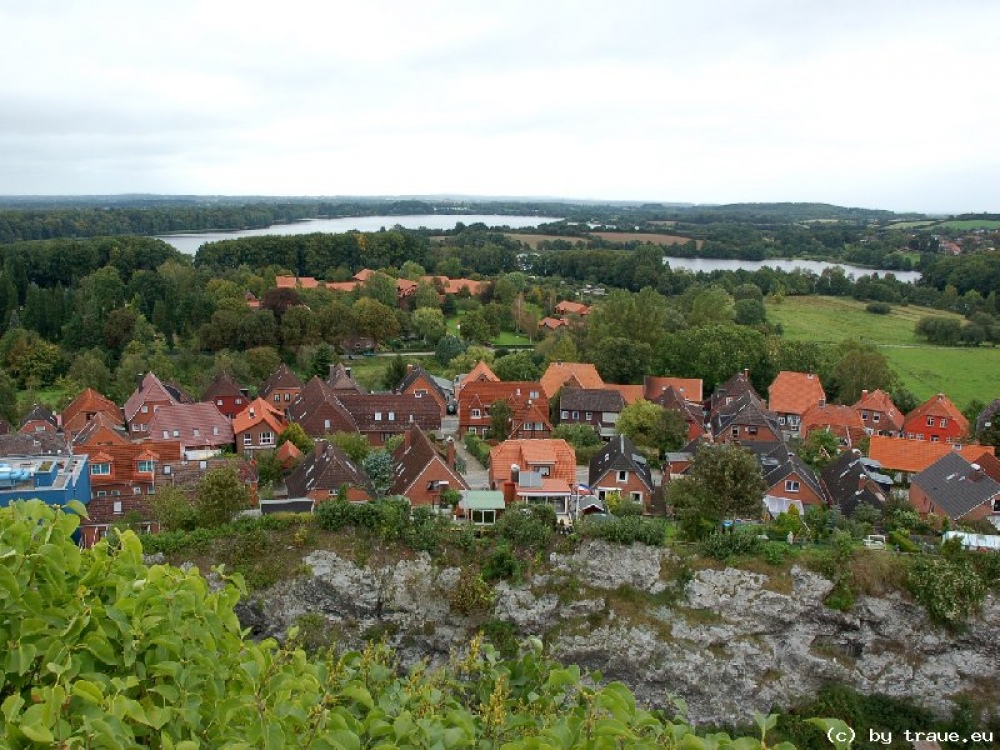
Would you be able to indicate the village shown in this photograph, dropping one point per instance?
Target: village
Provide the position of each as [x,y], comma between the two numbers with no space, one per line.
[115,458]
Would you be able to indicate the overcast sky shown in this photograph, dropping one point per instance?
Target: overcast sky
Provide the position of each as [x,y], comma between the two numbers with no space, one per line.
[856,102]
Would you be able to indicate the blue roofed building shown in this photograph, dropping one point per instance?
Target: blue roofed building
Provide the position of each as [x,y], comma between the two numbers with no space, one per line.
[53,479]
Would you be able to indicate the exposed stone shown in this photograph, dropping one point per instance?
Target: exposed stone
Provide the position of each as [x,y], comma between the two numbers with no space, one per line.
[738,642]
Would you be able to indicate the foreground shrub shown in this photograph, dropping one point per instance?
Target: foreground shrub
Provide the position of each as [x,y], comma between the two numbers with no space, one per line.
[727,546]
[950,589]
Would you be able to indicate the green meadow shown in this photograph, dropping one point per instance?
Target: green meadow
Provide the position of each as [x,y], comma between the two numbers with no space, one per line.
[962,373]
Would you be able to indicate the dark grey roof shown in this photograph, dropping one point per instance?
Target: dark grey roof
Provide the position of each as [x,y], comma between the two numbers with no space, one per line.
[955,486]
[620,454]
[326,467]
[591,399]
[851,479]
[738,385]
[744,410]
[777,462]
[416,371]
[340,379]
[34,444]
[40,413]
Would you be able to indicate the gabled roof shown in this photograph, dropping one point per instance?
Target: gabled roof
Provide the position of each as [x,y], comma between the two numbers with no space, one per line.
[559,374]
[733,388]
[416,372]
[777,463]
[591,399]
[288,453]
[990,464]
[180,395]
[224,385]
[744,410]
[90,401]
[326,467]
[40,413]
[150,390]
[552,323]
[102,424]
[843,421]
[671,398]
[259,412]
[689,388]
[340,380]
[193,424]
[955,486]
[313,396]
[125,459]
[851,479]
[901,454]
[567,307]
[940,406]
[620,454]
[412,457]
[282,378]
[880,401]
[795,392]
[481,372]
[186,474]
[390,412]
[454,286]
[524,453]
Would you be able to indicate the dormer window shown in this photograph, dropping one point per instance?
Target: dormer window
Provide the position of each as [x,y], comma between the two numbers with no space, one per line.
[146,467]
[145,409]
[102,470]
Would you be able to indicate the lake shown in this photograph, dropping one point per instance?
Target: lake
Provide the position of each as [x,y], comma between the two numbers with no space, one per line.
[190,242]
[816,266]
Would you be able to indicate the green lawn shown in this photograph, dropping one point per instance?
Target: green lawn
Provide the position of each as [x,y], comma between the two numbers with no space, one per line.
[505,338]
[971,224]
[963,374]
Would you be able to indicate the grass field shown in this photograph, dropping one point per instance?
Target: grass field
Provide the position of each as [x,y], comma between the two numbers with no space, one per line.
[971,224]
[963,374]
[505,338]
[656,239]
[533,240]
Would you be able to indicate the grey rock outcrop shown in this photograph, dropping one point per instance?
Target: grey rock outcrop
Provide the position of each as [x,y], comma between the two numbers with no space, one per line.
[731,642]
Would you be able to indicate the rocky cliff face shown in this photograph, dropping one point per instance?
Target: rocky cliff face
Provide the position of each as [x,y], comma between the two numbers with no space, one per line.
[727,641]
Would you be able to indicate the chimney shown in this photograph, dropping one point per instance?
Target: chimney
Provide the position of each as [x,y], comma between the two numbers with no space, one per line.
[515,474]
[409,368]
[864,392]
[509,495]
[746,372]
[450,455]
[977,473]
[407,439]
[348,371]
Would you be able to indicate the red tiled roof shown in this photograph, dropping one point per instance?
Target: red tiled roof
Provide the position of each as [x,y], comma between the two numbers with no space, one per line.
[526,453]
[631,393]
[102,430]
[91,401]
[224,384]
[259,411]
[689,388]
[151,390]
[195,425]
[390,412]
[940,406]
[572,308]
[559,373]
[901,454]
[842,421]
[880,401]
[413,456]
[282,378]
[125,458]
[481,372]
[795,392]
[553,323]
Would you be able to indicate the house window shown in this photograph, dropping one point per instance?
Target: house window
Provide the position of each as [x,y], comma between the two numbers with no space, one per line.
[791,485]
[590,415]
[476,413]
[166,469]
[218,402]
[751,430]
[177,433]
[484,517]
[215,430]
[930,421]
[102,493]
[197,432]
[146,467]
[145,409]
[392,416]
[166,434]
[288,397]
[564,414]
[864,414]
[420,393]
[100,469]
[576,415]
[239,401]
[736,432]
[875,416]
[117,507]
[781,420]
[920,436]
[267,438]
[472,431]
[247,439]
[378,416]
[935,439]
[943,423]
[326,424]
[277,398]
[622,476]
[909,435]
[545,470]
[137,490]
[115,493]
[533,394]
[144,427]
[636,497]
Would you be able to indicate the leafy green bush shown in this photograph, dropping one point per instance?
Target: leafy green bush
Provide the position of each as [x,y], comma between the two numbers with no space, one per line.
[528,526]
[727,546]
[501,563]
[878,308]
[950,589]
[479,449]
[627,529]
[471,594]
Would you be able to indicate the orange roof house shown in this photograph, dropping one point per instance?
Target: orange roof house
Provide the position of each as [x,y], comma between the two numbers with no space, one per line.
[937,420]
[143,403]
[843,421]
[912,456]
[570,375]
[288,454]
[551,324]
[572,308]
[258,427]
[791,395]
[878,414]
[631,393]
[85,407]
[553,459]
[480,373]
[102,429]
